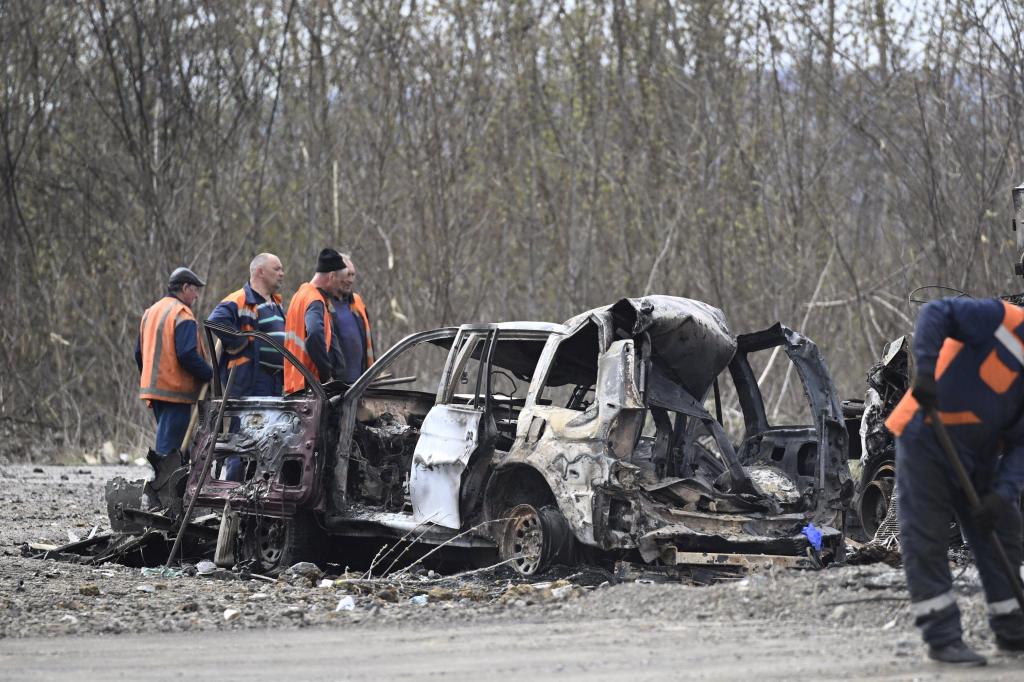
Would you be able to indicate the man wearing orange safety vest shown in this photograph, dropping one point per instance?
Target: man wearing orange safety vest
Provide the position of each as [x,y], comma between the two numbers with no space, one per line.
[969,356]
[258,365]
[254,307]
[171,368]
[309,327]
[353,325]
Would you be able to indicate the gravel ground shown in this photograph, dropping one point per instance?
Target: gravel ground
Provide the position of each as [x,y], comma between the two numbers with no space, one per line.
[864,607]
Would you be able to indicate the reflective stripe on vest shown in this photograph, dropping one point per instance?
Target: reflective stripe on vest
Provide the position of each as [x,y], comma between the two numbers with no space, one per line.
[291,338]
[993,370]
[1010,342]
[295,336]
[163,377]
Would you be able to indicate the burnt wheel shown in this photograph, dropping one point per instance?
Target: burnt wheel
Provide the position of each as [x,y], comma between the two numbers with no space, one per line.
[874,501]
[533,539]
[273,544]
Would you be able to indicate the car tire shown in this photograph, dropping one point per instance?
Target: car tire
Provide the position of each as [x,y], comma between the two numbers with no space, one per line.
[272,545]
[534,538]
[874,500]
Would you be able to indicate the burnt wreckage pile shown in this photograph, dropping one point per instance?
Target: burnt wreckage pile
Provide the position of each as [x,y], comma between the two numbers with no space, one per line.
[873,463]
[600,439]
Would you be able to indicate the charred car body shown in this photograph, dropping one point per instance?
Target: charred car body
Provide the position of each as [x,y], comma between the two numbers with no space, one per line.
[542,440]
[873,463]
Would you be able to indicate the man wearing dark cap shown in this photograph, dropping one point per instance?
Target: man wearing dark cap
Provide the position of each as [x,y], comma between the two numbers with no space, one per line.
[171,369]
[309,328]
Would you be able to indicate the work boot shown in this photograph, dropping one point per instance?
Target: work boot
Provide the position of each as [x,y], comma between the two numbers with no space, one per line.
[956,652]
[150,500]
[1009,631]
[1008,645]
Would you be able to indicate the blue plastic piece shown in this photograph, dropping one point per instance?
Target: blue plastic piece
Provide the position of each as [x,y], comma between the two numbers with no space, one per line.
[813,536]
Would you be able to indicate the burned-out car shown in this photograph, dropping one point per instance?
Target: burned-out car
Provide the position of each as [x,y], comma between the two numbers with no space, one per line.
[602,436]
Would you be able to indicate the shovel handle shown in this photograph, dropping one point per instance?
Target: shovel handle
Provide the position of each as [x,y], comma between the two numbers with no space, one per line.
[205,463]
[975,502]
[190,431]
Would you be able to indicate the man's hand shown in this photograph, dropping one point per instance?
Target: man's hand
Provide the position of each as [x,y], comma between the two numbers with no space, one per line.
[994,508]
[925,391]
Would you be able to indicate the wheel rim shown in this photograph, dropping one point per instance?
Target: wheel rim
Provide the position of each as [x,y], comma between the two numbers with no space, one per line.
[524,540]
[874,504]
[270,536]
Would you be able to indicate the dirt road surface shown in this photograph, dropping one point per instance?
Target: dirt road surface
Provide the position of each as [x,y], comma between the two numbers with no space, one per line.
[64,621]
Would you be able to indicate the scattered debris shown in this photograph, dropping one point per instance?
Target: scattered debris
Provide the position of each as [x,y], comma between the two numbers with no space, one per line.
[347,603]
[41,547]
[231,614]
[440,593]
[304,572]
[89,590]
[388,593]
[161,572]
[567,591]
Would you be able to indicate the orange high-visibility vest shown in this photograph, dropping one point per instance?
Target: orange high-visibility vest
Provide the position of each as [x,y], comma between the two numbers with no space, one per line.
[359,308]
[295,336]
[248,320]
[245,314]
[976,381]
[163,377]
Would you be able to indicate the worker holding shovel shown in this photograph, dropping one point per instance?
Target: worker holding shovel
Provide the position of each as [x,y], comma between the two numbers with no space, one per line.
[960,453]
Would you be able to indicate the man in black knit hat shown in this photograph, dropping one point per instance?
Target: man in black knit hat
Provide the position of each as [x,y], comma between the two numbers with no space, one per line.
[309,330]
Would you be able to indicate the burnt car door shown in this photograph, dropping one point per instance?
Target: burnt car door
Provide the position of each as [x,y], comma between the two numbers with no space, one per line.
[459,428]
[812,455]
[374,398]
[278,440]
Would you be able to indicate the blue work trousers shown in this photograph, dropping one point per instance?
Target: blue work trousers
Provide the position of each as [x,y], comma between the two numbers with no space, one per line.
[171,424]
[930,498]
